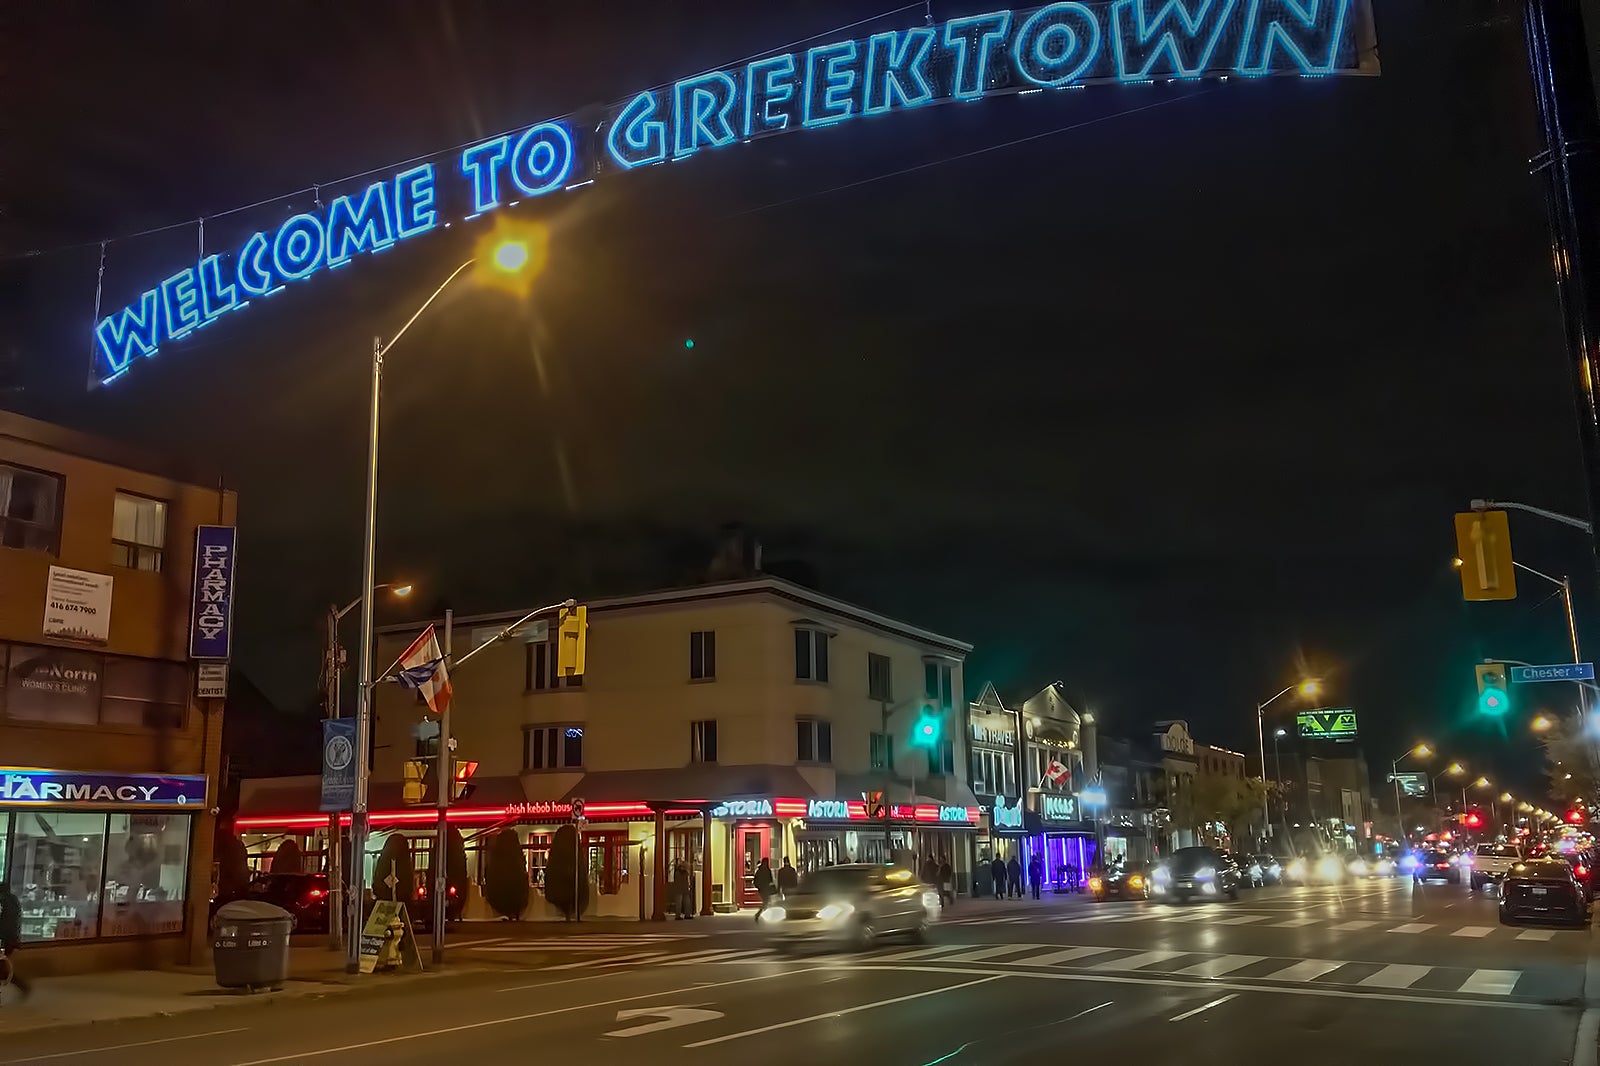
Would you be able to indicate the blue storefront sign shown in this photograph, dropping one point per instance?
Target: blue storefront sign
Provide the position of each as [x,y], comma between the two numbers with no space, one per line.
[211,611]
[70,788]
[338,764]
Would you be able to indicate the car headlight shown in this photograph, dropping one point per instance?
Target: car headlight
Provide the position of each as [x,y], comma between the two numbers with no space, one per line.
[833,912]
[1329,868]
[1358,867]
[1135,881]
[1297,869]
[1205,873]
[1095,884]
[774,914]
[1161,875]
[931,901]
[1275,870]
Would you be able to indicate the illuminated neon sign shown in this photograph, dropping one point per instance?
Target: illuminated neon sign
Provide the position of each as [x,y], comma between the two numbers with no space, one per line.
[1059,46]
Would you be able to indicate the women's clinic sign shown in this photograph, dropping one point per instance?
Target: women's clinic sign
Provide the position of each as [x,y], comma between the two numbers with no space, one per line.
[1059,46]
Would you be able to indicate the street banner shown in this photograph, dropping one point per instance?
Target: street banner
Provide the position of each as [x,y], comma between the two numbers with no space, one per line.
[211,613]
[338,764]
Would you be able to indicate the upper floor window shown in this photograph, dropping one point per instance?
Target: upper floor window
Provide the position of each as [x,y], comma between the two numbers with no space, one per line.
[552,747]
[138,531]
[703,741]
[937,679]
[814,740]
[810,655]
[882,751]
[942,759]
[880,677]
[30,509]
[703,655]
[539,670]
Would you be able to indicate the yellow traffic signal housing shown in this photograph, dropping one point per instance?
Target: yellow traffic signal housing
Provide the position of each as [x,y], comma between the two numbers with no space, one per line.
[415,787]
[572,638]
[1494,699]
[1483,546]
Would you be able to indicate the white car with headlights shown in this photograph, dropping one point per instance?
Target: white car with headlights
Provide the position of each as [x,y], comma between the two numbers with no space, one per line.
[852,905]
[1490,862]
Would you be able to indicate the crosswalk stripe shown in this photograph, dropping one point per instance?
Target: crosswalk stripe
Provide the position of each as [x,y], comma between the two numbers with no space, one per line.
[1350,927]
[545,945]
[1474,930]
[988,953]
[696,957]
[1295,923]
[1052,958]
[1412,927]
[1134,962]
[1306,970]
[1396,976]
[1536,934]
[724,956]
[917,953]
[1242,919]
[642,956]
[1222,964]
[1491,982]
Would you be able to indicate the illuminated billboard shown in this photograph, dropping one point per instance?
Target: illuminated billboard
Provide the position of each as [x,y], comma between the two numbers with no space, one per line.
[1327,725]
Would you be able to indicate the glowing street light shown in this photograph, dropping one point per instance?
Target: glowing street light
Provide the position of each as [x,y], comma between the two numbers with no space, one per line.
[1309,686]
[1420,751]
[1540,723]
[510,256]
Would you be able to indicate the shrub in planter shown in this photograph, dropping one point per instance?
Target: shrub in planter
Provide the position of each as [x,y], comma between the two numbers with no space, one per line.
[563,887]
[505,881]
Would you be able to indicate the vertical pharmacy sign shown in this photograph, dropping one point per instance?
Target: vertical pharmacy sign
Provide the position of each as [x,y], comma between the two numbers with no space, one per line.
[211,613]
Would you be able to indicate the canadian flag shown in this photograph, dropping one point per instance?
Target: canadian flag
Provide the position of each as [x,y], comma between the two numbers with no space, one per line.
[1057,772]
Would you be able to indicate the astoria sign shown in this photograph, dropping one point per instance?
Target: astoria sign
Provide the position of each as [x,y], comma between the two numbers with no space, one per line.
[1059,46]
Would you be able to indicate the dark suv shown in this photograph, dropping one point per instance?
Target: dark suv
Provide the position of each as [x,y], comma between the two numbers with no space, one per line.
[1203,872]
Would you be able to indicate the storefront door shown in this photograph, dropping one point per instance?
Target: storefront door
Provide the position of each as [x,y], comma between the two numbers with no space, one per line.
[755,844]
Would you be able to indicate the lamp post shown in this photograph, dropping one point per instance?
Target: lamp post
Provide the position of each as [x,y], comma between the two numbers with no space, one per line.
[1306,687]
[510,257]
[333,676]
[1421,751]
[1455,769]
[1277,770]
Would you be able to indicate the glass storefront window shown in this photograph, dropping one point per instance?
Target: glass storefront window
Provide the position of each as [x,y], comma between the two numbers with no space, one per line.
[147,869]
[53,685]
[56,864]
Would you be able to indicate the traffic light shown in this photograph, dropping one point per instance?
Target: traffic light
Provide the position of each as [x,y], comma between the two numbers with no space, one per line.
[1472,820]
[875,806]
[1575,816]
[925,734]
[463,786]
[1494,698]
[572,639]
[1483,555]
[414,787]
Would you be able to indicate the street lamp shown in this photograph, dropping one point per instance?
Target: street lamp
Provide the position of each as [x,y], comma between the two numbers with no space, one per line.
[1421,751]
[507,261]
[1455,769]
[1540,724]
[1307,687]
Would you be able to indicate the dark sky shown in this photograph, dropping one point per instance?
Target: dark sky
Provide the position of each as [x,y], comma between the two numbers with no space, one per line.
[1169,406]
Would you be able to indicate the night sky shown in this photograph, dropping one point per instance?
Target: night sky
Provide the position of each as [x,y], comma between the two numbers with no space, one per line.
[1170,403]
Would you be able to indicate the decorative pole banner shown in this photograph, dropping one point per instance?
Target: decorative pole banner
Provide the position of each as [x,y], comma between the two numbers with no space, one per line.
[211,615]
[1060,46]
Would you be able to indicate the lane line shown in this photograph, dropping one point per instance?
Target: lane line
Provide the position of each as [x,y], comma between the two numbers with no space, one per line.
[1134,962]
[1536,934]
[840,1013]
[1208,1006]
[1491,982]
[1412,927]
[1222,964]
[123,1047]
[694,989]
[1397,975]
[1474,930]
[1305,970]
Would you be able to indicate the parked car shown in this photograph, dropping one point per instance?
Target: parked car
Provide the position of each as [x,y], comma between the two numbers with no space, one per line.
[1190,872]
[1128,880]
[305,896]
[1489,862]
[1543,888]
[852,905]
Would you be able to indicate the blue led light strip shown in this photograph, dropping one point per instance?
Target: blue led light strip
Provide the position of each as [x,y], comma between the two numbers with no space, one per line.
[1061,45]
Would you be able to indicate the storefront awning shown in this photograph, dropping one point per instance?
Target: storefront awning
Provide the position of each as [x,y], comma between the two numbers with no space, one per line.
[302,795]
[691,786]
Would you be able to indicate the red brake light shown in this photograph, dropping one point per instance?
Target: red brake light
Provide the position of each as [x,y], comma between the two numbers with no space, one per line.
[451,890]
[316,893]
[1583,871]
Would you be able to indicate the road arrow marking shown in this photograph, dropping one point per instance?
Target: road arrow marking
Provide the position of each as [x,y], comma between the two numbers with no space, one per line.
[671,1018]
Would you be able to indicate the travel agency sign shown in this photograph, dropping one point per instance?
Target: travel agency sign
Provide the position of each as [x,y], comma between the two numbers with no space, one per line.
[1000,52]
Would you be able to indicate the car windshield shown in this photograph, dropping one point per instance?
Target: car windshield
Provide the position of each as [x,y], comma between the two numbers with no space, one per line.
[835,880]
[1188,860]
[1498,851]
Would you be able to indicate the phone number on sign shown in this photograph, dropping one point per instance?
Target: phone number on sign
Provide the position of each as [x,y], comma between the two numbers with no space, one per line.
[72,608]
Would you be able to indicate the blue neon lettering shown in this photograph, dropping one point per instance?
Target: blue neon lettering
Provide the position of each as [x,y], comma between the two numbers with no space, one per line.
[890,58]
[413,202]
[838,80]
[767,83]
[180,303]
[254,276]
[354,229]
[215,297]
[298,247]
[973,39]
[482,164]
[1057,44]
[1184,32]
[702,108]
[643,140]
[1306,34]
[542,159]
[121,333]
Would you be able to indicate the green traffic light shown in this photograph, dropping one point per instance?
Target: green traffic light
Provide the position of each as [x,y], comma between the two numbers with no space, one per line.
[1493,703]
[926,733]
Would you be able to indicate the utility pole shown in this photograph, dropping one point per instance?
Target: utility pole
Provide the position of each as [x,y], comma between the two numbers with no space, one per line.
[445,773]
[336,891]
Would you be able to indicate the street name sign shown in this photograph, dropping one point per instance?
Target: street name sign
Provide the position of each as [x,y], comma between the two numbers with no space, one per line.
[1523,675]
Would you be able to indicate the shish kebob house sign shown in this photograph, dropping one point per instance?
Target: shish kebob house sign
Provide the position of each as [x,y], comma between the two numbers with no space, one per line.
[1060,46]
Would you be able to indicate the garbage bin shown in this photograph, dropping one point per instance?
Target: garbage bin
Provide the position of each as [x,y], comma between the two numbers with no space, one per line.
[250,945]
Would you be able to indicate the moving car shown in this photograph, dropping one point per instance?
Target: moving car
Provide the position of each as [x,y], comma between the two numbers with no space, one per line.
[852,905]
[1489,862]
[1543,888]
[1436,864]
[1204,872]
[303,895]
[1128,880]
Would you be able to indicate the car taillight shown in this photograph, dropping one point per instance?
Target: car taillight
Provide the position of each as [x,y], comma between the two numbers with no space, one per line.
[315,893]
[1583,871]
[1441,866]
[450,891]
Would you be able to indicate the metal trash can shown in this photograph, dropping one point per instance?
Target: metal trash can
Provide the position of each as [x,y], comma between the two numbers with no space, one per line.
[250,945]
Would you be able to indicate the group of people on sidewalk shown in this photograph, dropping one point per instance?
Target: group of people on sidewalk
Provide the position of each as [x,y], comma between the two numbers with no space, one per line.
[1008,881]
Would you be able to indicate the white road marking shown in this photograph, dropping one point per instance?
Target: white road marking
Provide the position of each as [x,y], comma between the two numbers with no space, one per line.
[840,1013]
[1133,962]
[1305,970]
[1222,964]
[123,1047]
[1395,976]
[1206,1007]
[1412,927]
[1474,930]
[988,953]
[725,955]
[1295,923]
[1242,919]
[1491,982]
[916,953]
[671,1018]
[1051,958]
[636,957]
[1350,927]
[1536,934]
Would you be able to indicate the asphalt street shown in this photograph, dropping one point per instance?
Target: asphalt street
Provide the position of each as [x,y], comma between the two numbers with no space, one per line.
[1307,975]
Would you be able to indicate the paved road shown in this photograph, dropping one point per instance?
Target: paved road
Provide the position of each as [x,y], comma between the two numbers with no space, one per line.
[1313,975]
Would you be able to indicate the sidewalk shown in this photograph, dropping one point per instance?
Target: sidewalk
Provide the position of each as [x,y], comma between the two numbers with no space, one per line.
[85,999]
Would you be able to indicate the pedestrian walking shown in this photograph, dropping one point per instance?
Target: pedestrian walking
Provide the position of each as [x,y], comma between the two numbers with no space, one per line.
[682,892]
[11,937]
[766,885]
[1036,874]
[947,883]
[997,869]
[1072,877]
[788,878]
[1014,878]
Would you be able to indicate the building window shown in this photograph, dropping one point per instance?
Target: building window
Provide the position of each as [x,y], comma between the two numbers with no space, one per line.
[703,741]
[138,532]
[144,692]
[810,655]
[703,655]
[30,509]
[552,747]
[539,670]
[814,740]
[879,678]
[936,684]
[991,771]
[882,751]
[942,759]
